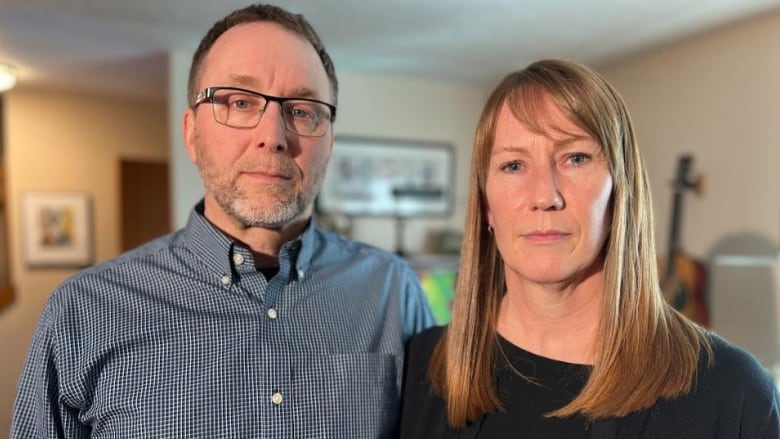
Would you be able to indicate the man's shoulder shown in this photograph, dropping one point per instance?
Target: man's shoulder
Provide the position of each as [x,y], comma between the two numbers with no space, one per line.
[110,284]
[126,265]
[335,244]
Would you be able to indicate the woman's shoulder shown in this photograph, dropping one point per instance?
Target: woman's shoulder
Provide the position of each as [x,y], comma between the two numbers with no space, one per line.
[419,352]
[741,387]
[733,367]
[424,341]
[733,395]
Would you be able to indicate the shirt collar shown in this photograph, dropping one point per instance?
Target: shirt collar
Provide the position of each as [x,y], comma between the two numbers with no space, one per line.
[207,242]
[307,241]
[215,248]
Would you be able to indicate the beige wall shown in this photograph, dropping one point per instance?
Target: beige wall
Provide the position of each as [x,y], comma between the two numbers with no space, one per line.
[716,96]
[63,141]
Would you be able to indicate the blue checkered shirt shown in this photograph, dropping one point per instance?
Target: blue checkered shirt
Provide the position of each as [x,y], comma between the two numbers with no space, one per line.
[184,338]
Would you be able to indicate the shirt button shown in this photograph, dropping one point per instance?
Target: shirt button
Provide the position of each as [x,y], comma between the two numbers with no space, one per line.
[238,258]
[300,273]
[272,314]
[225,280]
[277,398]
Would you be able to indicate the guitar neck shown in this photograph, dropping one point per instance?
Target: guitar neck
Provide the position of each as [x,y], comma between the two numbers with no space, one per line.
[680,186]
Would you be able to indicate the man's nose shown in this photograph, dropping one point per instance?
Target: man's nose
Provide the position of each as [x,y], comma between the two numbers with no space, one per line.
[271,130]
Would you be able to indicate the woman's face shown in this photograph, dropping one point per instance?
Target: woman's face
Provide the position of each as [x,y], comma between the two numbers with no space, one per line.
[548,199]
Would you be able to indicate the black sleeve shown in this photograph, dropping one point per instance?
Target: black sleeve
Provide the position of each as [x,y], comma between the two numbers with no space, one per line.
[750,394]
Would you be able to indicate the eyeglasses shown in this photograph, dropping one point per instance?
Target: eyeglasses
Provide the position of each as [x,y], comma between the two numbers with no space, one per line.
[240,108]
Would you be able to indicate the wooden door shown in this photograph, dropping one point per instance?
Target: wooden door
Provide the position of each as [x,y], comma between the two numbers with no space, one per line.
[145,202]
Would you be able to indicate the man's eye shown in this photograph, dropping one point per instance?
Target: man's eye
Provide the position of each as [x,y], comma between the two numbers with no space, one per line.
[302,113]
[243,104]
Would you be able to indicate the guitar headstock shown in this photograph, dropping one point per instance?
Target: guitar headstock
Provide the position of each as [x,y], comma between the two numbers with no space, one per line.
[684,180]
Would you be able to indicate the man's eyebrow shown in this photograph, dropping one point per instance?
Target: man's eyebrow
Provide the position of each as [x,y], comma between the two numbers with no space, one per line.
[303,92]
[244,80]
[250,81]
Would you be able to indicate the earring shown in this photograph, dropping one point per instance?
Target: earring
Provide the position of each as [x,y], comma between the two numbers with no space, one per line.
[490,229]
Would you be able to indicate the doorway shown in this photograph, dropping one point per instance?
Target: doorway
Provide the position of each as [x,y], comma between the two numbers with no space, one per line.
[145,202]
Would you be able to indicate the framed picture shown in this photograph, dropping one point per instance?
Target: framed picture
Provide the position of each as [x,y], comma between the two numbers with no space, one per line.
[378,177]
[57,229]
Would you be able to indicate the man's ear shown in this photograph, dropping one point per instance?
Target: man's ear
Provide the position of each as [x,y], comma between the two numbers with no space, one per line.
[332,141]
[188,126]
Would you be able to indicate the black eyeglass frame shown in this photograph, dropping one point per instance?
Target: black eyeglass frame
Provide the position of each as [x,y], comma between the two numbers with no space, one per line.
[207,95]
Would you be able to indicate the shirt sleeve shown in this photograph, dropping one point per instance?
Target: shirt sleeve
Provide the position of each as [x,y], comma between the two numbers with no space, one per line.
[416,311]
[39,410]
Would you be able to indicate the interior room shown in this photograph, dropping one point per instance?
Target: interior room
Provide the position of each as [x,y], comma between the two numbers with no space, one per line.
[94,119]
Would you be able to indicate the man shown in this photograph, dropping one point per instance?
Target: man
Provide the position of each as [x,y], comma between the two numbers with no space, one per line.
[250,321]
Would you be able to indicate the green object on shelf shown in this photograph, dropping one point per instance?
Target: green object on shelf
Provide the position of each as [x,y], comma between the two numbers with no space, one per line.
[439,288]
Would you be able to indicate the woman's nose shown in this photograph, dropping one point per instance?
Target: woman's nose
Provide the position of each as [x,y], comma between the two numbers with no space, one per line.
[545,190]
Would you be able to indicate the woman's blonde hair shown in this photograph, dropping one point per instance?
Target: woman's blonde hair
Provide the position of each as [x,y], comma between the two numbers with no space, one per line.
[646,349]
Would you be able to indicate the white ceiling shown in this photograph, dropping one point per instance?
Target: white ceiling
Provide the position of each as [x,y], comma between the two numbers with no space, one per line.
[119,46]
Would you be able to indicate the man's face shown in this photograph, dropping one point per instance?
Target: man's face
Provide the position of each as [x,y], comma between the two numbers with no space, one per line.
[265,176]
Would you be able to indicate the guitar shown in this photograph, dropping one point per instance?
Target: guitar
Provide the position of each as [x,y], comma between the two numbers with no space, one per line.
[683,278]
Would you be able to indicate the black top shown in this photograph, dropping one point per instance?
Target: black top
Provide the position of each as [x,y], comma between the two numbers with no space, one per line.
[545,385]
[736,398]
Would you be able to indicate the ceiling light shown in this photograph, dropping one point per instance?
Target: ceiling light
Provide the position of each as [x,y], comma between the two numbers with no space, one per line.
[7,77]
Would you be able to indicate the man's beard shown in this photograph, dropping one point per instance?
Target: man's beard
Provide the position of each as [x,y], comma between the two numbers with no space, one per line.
[285,203]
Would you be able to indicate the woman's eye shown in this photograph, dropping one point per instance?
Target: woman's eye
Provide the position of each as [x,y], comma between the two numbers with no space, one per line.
[511,167]
[578,159]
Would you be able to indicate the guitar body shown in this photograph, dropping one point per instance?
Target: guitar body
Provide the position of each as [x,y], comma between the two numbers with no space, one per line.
[684,278]
[685,290]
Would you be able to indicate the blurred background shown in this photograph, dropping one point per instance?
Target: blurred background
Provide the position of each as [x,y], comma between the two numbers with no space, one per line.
[91,149]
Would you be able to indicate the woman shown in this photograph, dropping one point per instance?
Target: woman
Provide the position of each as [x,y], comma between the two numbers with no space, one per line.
[559,329]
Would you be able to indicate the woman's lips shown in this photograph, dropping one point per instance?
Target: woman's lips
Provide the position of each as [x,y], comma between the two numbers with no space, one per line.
[546,236]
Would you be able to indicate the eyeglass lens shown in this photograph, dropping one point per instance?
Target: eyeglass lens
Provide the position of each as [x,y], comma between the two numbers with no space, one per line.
[244,110]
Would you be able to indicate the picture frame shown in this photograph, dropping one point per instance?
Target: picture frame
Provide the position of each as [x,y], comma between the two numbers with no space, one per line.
[390,178]
[57,229]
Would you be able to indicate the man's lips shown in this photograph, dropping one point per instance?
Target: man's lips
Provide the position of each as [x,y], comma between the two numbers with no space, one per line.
[267,175]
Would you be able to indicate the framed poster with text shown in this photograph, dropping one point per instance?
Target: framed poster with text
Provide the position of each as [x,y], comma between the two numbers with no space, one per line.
[377,177]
